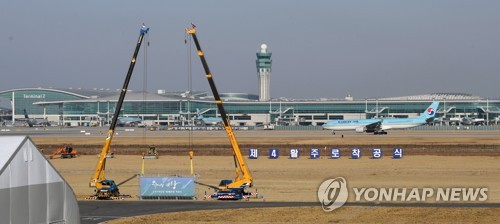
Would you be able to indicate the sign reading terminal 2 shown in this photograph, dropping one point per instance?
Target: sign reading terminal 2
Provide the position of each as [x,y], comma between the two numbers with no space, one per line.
[34,96]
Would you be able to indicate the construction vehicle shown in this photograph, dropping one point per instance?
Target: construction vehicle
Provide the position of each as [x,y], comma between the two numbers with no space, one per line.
[227,189]
[64,152]
[104,188]
[108,155]
[151,153]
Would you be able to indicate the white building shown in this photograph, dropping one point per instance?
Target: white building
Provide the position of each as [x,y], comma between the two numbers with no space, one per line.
[264,64]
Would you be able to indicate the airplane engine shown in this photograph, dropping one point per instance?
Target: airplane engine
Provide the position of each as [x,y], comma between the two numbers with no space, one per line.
[360,129]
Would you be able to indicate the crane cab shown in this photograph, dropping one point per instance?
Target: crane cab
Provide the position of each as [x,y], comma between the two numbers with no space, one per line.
[107,190]
[224,183]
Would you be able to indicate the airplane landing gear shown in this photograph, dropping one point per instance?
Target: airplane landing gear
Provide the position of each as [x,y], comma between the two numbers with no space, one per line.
[380,133]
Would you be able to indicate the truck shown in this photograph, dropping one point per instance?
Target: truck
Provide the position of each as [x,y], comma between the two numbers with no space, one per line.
[228,189]
[105,188]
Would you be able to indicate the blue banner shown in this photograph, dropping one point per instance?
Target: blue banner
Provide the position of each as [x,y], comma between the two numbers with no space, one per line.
[167,186]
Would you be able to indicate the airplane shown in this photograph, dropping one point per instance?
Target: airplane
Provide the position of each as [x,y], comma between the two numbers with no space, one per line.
[378,126]
[466,121]
[129,121]
[32,122]
[207,120]
[472,121]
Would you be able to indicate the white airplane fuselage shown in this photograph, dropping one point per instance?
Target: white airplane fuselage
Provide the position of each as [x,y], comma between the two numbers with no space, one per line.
[386,124]
[378,125]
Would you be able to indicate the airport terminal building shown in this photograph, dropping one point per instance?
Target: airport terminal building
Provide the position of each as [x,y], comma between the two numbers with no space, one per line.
[95,107]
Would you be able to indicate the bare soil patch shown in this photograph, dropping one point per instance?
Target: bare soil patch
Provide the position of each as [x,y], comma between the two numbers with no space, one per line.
[286,179]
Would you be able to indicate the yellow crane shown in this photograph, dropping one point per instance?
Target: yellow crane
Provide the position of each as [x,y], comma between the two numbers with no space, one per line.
[104,188]
[228,189]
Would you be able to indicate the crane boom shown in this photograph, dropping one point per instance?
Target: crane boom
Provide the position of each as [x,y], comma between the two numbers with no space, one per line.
[98,179]
[243,176]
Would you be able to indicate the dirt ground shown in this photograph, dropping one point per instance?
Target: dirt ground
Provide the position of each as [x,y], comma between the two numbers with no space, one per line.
[286,179]
[297,180]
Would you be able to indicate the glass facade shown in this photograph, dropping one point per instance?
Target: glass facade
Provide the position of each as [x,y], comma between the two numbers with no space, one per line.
[75,106]
[24,99]
[129,108]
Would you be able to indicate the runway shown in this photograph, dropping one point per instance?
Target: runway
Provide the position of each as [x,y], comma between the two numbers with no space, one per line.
[141,132]
[92,212]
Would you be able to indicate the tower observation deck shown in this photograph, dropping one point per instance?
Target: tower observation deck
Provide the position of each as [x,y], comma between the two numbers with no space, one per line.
[264,63]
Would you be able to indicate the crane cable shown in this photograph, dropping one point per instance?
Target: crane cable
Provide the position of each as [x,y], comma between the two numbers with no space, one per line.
[189,59]
[145,86]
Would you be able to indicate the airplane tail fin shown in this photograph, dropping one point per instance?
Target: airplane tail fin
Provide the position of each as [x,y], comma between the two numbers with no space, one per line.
[26,114]
[198,114]
[430,112]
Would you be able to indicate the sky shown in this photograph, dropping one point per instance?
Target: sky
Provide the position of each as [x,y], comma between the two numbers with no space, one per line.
[320,49]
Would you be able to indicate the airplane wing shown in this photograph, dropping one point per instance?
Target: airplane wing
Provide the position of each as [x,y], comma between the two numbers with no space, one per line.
[374,126]
[429,120]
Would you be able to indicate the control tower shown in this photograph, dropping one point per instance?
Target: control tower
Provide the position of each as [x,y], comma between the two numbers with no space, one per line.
[264,72]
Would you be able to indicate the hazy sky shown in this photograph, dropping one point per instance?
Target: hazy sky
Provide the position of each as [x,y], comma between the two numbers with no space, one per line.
[320,48]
